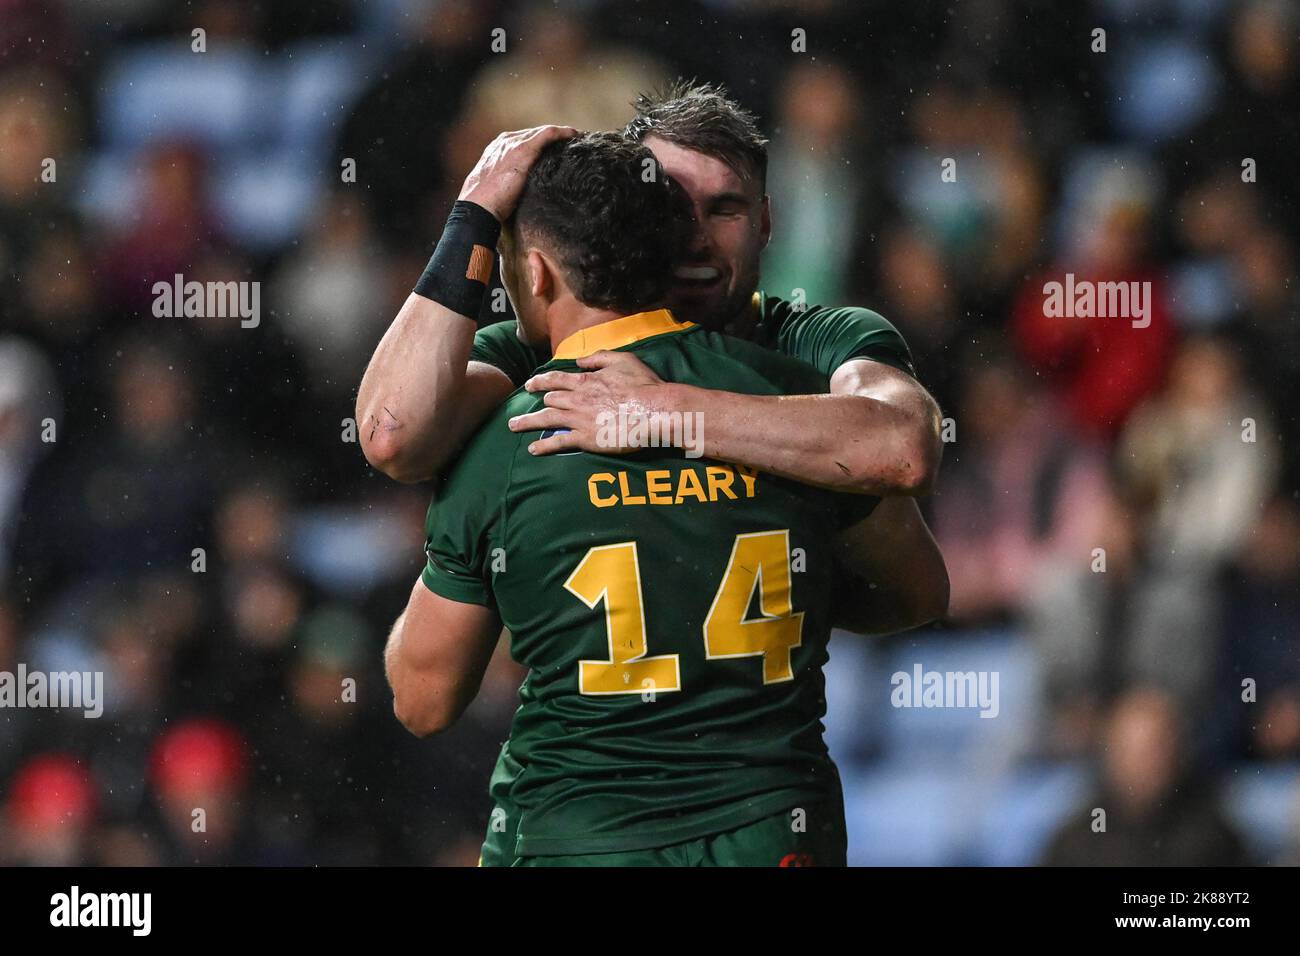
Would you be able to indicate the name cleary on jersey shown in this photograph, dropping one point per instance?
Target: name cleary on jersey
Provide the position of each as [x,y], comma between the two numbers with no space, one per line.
[693,483]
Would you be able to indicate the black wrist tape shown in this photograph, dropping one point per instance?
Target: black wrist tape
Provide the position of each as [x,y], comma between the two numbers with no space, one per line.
[461,267]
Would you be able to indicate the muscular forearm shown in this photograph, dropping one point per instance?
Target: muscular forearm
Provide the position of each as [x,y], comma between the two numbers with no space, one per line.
[435,658]
[417,401]
[392,652]
[846,442]
[419,702]
[410,700]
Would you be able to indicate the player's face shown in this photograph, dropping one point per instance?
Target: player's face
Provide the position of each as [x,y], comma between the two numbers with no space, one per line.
[733,224]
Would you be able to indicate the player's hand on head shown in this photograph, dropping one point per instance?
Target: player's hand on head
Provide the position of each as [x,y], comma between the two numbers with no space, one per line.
[498,177]
[581,406]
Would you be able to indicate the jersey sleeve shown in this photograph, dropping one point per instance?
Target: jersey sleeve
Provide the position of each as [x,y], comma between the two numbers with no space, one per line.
[498,345]
[460,522]
[827,338]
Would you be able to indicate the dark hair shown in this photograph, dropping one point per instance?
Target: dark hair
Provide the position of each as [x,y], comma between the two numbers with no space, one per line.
[616,223]
[702,117]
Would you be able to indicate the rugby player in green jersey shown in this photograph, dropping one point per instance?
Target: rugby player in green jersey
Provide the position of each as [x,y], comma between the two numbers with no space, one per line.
[673,612]
[719,154]
[433,379]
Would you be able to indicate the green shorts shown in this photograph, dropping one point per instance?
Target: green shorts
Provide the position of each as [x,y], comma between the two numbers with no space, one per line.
[811,834]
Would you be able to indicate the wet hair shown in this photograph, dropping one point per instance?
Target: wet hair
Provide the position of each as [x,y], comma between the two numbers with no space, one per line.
[614,221]
[703,117]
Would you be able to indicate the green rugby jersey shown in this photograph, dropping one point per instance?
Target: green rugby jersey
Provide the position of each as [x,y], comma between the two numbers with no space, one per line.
[673,613]
[823,337]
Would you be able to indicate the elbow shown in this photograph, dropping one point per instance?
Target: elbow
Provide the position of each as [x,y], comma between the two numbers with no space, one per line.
[388,452]
[912,472]
[426,717]
[422,722]
[918,469]
[902,461]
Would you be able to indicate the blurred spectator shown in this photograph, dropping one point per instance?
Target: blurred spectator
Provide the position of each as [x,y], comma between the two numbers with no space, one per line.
[1019,490]
[1100,365]
[554,71]
[330,295]
[199,772]
[1149,607]
[35,127]
[137,494]
[821,174]
[915,295]
[57,301]
[397,129]
[1158,811]
[1199,459]
[1265,606]
[1079,617]
[30,407]
[315,808]
[1262,84]
[49,814]
[38,133]
[972,182]
[163,237]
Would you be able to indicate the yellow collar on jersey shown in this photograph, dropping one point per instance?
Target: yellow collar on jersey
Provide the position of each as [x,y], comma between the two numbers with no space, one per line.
[619,332]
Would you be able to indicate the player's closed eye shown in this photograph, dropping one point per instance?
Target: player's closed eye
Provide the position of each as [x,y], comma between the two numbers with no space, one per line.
[728,206]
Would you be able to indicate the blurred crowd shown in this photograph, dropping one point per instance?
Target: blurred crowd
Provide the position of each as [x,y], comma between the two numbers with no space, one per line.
[183,505]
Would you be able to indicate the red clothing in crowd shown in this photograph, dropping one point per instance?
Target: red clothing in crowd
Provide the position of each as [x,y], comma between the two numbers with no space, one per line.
[1100,367]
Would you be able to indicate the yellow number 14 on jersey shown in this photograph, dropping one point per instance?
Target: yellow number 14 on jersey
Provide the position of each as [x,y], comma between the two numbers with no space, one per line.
[759,561]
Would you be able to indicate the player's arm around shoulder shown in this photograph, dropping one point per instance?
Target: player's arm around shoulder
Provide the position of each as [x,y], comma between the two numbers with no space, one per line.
[876,431]
[893,444]
[435,658]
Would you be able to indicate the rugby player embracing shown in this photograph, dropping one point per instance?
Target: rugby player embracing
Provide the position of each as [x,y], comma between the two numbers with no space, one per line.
[673,612]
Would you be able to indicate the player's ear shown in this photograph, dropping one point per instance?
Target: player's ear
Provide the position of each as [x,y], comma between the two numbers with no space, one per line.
[539,273]
[765,220]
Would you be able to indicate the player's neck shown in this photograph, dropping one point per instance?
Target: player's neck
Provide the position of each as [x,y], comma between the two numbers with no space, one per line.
[741,323]
[569,315]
